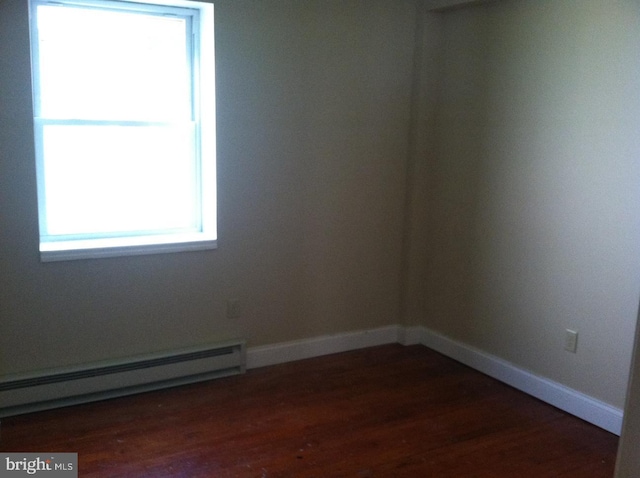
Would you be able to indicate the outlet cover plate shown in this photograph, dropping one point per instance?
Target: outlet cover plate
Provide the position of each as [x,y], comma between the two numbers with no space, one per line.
[571,340]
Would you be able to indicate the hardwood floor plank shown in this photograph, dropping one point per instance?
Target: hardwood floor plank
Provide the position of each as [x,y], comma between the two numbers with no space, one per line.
[388,411]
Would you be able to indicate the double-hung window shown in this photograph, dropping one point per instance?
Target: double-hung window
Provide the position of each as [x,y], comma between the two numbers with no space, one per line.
[124,122]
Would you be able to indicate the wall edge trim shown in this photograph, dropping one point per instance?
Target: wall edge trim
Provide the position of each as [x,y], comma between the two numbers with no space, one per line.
[560,396]
[282,352]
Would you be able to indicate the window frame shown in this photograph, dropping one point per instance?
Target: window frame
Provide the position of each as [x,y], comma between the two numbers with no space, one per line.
[202,69]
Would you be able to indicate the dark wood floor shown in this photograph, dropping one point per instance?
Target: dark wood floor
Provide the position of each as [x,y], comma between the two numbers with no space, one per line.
[388,411]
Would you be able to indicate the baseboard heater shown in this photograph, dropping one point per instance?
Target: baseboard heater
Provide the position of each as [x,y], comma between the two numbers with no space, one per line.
[26,393]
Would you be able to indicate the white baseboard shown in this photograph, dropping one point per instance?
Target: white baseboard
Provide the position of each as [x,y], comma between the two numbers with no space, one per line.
[576,403]
[410,335]
[327,344]
[571,401]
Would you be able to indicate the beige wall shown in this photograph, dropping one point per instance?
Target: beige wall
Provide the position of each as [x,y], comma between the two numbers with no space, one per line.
[313,115]
[531,187]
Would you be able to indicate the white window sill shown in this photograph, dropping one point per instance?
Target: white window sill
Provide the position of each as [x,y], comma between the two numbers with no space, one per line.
[124,246]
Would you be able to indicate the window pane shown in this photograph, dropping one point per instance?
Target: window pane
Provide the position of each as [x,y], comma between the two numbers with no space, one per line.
[105,179]
[101,64]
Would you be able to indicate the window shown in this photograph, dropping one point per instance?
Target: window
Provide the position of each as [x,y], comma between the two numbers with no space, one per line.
[124,121]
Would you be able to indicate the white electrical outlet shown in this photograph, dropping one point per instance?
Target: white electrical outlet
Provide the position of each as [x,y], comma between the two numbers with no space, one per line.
[233,309]
[571,340]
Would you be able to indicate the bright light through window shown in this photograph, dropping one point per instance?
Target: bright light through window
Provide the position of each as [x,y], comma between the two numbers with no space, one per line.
[107,65]
[124,127]
[139,178]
